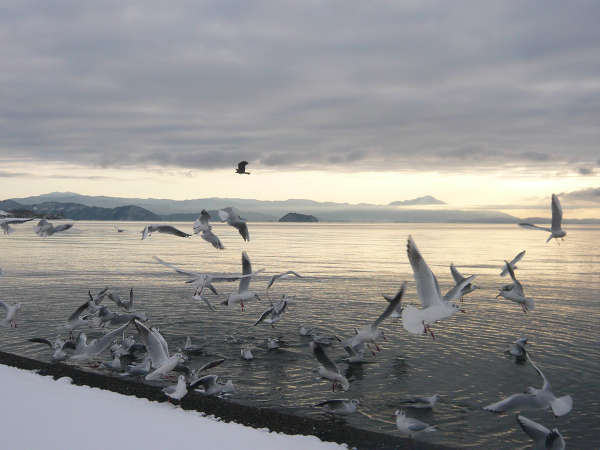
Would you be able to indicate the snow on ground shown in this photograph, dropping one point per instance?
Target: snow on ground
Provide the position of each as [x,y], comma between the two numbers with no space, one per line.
[41,413]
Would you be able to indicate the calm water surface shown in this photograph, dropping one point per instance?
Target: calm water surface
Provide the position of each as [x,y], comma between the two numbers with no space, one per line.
[347,268]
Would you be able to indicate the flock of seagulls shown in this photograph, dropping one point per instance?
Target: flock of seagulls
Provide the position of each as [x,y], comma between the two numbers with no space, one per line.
[148,356]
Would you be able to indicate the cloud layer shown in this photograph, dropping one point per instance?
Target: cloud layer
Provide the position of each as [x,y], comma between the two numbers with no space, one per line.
[345,85]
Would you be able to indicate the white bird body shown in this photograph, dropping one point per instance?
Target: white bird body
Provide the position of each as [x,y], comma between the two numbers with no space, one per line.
[328,369]
[243,294]
[515,293]
[512,264]
[177,391]
[246,353]
[410,425]
[342,407]
[10,320]
[202,227]
[166,367]
[230,216]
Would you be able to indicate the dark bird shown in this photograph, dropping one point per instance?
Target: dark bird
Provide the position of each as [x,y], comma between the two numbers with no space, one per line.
[241,169]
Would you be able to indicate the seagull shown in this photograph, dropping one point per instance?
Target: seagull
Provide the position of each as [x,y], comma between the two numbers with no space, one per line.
[397,312]
[512,264]
[514,292]
[281,275]
[275,311]
[328,369]
[555,229]
[177,391]
[435,307]
[167,229]
[139,370]
[45,228]
[246,352]
[243,294]
[6,222]
[202,227]
[212,386]
[458,278]
[543,438]
[534,398]
[59,346]
[274,343]
[241,168]
[232,218]
[11,314]
[421,402]
[356,355]
[118,230]
[202,280]
[341,406]
[158,350]
[84,351]
[518,349]
[410,425]
[370,333]
[127,306]
[107,317]
[190,349]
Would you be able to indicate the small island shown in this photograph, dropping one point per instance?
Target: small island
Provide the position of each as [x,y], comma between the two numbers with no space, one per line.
[295,217]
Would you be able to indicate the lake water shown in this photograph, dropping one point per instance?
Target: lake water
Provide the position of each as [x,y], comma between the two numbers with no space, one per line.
[346,267]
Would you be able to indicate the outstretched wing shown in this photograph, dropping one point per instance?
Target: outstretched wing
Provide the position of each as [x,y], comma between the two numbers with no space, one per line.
[246,270]
[63,227]
[242,166]
[176,269]
[456,274]
[517,258]
[391,306]
[282,275]
[264,315]
[534,227]
[454,293]
[557,213]
[41,341]
[322,357]
[427,285]
[168,229]
[515,401]
[211,364]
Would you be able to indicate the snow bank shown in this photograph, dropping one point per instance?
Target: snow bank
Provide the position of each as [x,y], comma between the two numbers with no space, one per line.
[41,413]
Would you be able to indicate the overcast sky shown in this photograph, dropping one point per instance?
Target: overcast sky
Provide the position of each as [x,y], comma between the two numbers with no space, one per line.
[386,99]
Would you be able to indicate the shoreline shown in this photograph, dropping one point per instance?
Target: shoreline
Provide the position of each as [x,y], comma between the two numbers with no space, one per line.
[228,411]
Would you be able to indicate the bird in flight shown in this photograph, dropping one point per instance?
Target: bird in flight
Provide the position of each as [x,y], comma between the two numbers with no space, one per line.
[241,168]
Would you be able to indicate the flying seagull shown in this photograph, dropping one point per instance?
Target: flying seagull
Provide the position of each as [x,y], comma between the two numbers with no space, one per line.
[555,229]
[59,346]
[202,227]
[85,351]
[283,275]
[543,438]
[167,229]
[243,294]
[459,278]
[275,311]
[11,314]
[370,333]
[534,398]
[328,369]
[514,292]
[158,350]
[435,307]
[241,168]
[45,228]
[512,264]
[232,218]
[6,222]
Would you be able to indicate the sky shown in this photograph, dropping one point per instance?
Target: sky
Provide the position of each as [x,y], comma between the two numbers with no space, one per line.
[476,103]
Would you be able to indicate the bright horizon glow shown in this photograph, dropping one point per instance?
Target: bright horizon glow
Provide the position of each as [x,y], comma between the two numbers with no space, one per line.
[460,190]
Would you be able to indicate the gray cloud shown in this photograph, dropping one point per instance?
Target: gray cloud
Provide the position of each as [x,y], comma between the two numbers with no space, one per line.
[585,171]
[352,85]
[587,195]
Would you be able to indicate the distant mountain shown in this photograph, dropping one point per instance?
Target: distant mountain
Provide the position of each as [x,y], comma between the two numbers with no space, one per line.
[295,217]
[256,210]
[426,200]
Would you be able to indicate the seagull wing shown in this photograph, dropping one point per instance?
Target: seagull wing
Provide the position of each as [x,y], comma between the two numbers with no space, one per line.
[517,258]
[242,166]
[534,227]
[176,269]
[334,403]
[168,229]
[63,227]
[533,429]
[78,312]
[456,274]
[207,382]
[515,401]
[246,270]
[155,348]
[4,306]
[427,285]
[280,275]
[391,306]
[41,341]
[454,293]
[105,341]
[557,213]
[211,364]
[225,214]
[242,227]
[323,358]
[15,220]
[264,315]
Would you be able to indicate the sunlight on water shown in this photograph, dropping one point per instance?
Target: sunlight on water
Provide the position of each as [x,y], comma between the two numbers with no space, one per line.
[347,268]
